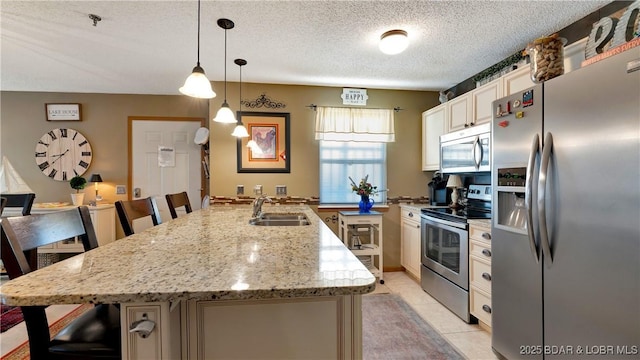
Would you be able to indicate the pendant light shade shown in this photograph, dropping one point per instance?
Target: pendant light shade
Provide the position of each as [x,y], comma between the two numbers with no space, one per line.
[197,85]
[240,131]
[225,114]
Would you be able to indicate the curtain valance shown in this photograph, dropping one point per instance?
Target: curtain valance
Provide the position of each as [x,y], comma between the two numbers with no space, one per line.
[351,124]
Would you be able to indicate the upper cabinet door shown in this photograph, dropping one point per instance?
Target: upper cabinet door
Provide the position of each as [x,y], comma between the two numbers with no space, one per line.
[433,125]
[516,81]
[482,98]
[459,112]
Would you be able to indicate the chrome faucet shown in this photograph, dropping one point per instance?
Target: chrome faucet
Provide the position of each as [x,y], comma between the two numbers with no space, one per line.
[257,205]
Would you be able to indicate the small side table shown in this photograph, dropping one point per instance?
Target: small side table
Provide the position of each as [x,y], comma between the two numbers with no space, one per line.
[362,234]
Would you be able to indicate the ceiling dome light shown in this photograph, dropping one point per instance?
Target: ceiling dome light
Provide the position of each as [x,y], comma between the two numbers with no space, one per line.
[394,42]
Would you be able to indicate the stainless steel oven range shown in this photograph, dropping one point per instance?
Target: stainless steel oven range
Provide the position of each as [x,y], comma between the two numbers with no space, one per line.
[445,249]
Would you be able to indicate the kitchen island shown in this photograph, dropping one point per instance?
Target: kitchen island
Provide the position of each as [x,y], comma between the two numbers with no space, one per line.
[217,287]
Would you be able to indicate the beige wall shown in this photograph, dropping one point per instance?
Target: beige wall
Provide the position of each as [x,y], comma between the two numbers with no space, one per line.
[104,124]
[404,178]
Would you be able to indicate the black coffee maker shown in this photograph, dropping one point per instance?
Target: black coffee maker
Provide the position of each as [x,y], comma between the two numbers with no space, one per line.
[439,194]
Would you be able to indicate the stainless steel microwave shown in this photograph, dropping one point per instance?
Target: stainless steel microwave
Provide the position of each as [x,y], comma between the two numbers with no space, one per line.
[466,150]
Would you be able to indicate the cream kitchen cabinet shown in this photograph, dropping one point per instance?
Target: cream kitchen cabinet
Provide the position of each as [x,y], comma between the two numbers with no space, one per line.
[410,240]
[482,98]
[434,124]
[516,80]
[459,113]
[480,271]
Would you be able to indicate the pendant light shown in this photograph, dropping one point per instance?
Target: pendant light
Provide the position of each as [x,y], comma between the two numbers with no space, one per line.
[225,115]
[240,131]
[197,85]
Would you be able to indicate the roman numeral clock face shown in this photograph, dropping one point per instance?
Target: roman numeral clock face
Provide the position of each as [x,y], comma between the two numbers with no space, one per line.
[62,154]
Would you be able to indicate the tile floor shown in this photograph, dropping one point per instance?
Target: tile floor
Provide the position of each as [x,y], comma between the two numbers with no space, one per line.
[470,340]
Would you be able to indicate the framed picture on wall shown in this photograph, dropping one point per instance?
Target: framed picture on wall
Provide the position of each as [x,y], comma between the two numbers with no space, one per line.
[267,149]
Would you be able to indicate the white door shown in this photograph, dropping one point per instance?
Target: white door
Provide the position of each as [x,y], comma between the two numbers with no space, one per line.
[164,160]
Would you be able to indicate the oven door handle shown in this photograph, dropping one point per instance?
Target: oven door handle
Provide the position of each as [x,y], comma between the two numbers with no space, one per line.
[437,221]
[528,195]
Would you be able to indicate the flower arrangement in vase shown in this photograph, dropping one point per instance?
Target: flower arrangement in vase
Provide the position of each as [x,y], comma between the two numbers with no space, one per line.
[78,183]
[365,190]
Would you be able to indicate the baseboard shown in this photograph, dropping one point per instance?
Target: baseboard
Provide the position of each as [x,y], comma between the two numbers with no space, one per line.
[393,269]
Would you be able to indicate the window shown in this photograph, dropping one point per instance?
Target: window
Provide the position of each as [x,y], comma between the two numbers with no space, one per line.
[340,160]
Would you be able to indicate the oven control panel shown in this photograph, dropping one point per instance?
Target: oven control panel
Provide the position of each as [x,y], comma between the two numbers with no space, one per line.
[479,192]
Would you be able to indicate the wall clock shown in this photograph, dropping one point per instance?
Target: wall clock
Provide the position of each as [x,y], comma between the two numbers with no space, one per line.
[62,154]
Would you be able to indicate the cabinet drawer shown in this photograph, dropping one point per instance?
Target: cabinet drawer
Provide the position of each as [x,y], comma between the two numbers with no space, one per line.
[480,233]
[480,273]
[480,305]
[410,215]
[480,249]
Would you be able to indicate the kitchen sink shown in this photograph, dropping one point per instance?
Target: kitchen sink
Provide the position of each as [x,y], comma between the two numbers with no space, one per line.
[281,219]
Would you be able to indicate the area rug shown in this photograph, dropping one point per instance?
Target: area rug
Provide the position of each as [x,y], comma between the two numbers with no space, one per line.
[10,316]
[22,351]
[391,329]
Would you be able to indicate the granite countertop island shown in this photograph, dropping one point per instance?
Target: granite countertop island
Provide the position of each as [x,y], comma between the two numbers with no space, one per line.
[209,280]
[210,254]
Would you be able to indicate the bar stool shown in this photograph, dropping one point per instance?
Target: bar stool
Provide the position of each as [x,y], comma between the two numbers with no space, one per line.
[175,201]
[137,209]
[96,333]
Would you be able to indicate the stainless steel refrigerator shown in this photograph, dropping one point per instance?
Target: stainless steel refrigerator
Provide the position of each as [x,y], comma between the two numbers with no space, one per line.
[566,216]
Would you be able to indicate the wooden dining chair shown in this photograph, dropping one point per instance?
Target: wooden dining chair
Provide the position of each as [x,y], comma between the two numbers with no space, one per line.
[136,209]
[24,201]
[175,201]
[93,335]
[3,202]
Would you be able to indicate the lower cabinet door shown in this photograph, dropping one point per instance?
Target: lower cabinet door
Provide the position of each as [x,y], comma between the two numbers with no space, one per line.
[480,305]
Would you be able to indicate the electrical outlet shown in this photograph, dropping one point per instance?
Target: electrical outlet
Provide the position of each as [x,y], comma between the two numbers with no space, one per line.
[239,189]
[281,190]
[121,189]
[257,190]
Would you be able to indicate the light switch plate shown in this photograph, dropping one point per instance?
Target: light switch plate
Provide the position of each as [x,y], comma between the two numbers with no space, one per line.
[121,189]
[281,190]
[239,189]
[257,190]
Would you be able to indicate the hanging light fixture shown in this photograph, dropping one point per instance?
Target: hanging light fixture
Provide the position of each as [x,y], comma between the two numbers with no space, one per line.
[240,131]
[197,85]
[393,42]
[225,115]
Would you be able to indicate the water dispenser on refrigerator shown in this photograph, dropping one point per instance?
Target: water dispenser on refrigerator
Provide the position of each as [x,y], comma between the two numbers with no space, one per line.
[510,190]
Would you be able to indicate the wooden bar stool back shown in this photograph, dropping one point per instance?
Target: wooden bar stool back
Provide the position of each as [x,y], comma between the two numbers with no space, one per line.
[175,201]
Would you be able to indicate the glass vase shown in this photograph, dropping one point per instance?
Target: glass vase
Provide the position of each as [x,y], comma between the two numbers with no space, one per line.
[365,204]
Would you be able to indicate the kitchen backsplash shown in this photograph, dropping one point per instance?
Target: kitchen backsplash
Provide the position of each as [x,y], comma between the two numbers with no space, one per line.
[313,200]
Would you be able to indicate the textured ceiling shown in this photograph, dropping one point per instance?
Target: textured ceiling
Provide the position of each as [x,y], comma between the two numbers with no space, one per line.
[149,47]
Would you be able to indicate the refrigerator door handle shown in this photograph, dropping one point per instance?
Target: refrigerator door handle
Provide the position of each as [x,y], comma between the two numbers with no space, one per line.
[542,185]
[535,148]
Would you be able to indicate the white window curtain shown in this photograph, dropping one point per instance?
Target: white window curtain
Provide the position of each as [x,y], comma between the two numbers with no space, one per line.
[350,124]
